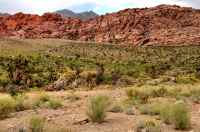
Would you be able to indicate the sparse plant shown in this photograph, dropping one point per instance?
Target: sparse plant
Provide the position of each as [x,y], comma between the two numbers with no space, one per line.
[116,108]
[129,111]
[36,124]
[165,112]
[195,93]
[72,96]
[135,94]
[42,97]
[140,125]
[174,92]
[20,103]
[6,106]
[55,104]
[180,117]
[161,92]
[97,108]
[152,109]
[148,126]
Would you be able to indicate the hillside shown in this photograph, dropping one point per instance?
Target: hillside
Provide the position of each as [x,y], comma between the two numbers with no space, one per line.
[83,15]
[157,26]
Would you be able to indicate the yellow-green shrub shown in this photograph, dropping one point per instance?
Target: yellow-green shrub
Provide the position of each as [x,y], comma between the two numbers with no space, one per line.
[97,108]
[6,106]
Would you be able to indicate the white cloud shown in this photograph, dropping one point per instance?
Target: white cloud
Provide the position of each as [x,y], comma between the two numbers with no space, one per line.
[96,9]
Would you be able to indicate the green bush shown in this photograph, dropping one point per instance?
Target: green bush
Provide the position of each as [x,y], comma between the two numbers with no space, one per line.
[6,106]
[72,96]
[20,103]
[174,92]
[135,94]
[180,117]
[54,104]
[165,112]
[36,124]
[116,108]
[13,92]
[97,108]
[152,109]
[161,92]
[129,111]
[195,93]
[177,114]
[42,97]
[148,126]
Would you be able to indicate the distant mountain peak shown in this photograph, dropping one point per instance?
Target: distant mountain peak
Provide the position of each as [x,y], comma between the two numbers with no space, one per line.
[4,15]
[65,13]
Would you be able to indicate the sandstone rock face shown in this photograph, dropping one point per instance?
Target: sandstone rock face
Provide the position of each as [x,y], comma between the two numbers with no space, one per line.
[161,25]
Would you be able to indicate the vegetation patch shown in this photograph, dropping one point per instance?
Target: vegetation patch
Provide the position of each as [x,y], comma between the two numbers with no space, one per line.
[98,107]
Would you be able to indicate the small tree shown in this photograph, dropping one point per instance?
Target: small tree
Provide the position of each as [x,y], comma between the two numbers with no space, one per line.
[100,72]
[17,70]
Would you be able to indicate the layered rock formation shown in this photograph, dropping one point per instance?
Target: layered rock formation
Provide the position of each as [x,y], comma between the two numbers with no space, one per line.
[161,25]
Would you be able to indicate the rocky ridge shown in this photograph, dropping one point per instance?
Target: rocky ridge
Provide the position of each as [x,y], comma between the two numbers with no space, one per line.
[157,26]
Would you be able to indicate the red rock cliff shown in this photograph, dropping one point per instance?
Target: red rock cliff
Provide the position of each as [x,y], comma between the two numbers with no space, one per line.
[161,25]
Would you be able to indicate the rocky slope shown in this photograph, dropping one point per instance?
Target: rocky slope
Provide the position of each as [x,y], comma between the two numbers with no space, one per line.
[160,25]
[84,15]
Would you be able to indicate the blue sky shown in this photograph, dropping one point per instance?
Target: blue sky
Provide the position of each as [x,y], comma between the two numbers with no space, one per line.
[100,7]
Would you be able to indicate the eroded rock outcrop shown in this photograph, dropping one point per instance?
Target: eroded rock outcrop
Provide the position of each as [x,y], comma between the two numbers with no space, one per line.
[161,25]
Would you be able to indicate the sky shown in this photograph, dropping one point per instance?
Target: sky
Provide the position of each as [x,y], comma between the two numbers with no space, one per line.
[101,7]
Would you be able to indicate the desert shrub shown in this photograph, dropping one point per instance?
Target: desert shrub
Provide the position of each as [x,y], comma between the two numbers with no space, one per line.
[20,103]
[165,112]
[116,108]
[159,92]
[13,92]
[177,114]
[97,108]
[150,123]
[143,98]
[148,126]
[72,96]
[54,104]
[36,124]
[151,129]
[6,106]
[135,94]
[180,117]
[174,92]
[42,97]
[129,111]
[195,93]
[152,109]
[141,124]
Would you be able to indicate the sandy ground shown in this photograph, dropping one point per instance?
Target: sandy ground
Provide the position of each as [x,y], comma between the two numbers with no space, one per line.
[71,111]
